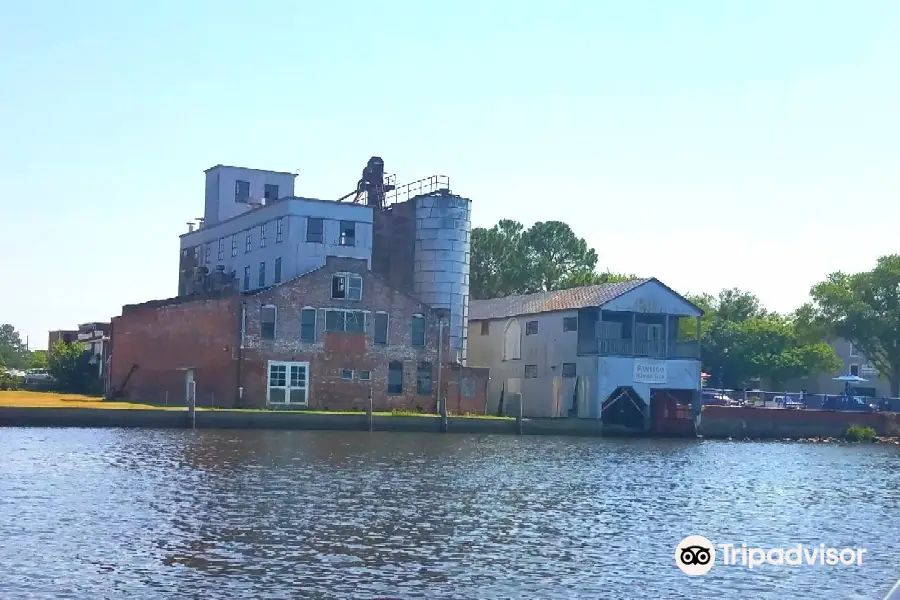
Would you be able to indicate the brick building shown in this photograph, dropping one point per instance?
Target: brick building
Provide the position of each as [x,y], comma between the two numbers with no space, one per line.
[319,341]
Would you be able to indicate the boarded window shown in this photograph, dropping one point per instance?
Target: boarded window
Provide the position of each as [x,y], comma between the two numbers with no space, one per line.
[570,324]
[267,322]
[568,370]
[381,328]
[531,372]
[315,230]
[308,325]
[512,341]
[417,334]
[467,387]
[395,378]
[423,379]
[262,274]
[531,327]
[277,270]
[485,328]
[246,278]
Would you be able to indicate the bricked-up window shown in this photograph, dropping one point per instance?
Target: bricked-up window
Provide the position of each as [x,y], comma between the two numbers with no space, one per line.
[262,235]
[278,270]
[348,233]
[423,379]
[570,323]
[267,316]
[530,371]
[248,243]
[380,335]
[262,274]
[234,245]
[485,328]
[531,327]
[467,387]
[315,230]
[417,331]
[346,287]
[568,370]
[241,191]
[351,321]
[246,278]
[308,325]
[279,230]
[221,253]
[395,378]
[270,192]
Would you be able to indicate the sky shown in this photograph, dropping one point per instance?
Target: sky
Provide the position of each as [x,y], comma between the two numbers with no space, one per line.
[710,144]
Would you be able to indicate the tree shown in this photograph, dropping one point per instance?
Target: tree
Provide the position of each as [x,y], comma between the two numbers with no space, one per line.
[864,308]
[38,359]
[68,363]
[13,353]
[508,259]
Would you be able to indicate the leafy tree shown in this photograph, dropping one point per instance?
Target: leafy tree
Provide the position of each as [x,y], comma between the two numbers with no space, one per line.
[509,259]
[13,353]
[38,359]
[68,363]
[864,308]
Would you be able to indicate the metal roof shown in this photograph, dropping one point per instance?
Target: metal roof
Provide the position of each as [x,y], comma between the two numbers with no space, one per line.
[571,299]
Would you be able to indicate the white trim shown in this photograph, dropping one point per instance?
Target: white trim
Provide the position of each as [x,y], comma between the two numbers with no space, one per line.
[347,276]
[315,325]
[289,391]
[343,371]
[274,323]
[368,378]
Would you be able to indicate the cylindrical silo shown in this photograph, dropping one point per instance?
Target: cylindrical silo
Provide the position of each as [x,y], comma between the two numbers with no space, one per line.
[441,262]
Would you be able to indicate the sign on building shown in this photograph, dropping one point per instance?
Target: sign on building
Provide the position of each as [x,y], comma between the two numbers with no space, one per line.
[868,370]
[650,371]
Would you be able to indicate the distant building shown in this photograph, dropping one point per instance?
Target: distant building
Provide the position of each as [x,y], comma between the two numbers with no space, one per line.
[602,352]
[853,362]
[62,335]
[95,337]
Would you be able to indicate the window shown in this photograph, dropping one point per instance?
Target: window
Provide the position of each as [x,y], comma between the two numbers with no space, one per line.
[512,340]
[531,327]
[570,323]
[348,233]
[270,192]
[221,253]
[262,274]
[365,375]
[467,387]
[267,322]
[380,334]
[248,242]
[530,371]
[853,351]
[287,383]
[854,370]
[423,379]
[279,230]
[315,230]
[278,270]
[347,374]
[197,253]
[241,191]
[346,287]
[351,321]
[568,370]
[207,256]
[262,235]
[417,333]
[308,325]
[395,378]
[234,245]
[485,328]
[246,278]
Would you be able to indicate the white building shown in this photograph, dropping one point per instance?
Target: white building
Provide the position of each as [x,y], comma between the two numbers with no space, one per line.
[599,352]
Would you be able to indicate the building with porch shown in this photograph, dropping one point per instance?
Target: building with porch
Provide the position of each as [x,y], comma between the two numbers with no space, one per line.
[600,352]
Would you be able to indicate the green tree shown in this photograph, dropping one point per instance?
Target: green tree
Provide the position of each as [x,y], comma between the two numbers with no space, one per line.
[38,359]
[68,363]
[509,259]
[864,308]
[13,353]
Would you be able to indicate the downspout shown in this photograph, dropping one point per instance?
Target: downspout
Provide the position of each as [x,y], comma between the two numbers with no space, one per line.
[239,385]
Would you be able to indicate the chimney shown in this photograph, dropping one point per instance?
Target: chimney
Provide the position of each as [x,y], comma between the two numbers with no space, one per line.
[190,226]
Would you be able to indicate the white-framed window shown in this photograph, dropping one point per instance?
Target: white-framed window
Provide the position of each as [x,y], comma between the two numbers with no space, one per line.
[308,324]
[248,242]
[365,375]
[417,331]
[262,235]
[854,370]
[380,333]
[854,353]
[347,374]
[288,383]
[346,286]
[267,318]
[351,321]
[234,245]
[279,230]
[221,253]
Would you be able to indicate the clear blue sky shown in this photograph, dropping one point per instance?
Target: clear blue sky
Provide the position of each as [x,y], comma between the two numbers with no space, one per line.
[710,144]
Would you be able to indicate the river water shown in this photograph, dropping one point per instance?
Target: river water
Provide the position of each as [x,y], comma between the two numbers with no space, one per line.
[108,513]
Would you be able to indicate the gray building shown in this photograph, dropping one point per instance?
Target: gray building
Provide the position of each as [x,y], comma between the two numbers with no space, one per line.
[853,362]
[599,352]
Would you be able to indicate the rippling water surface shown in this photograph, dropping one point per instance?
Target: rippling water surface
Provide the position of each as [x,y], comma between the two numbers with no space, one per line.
[174,514]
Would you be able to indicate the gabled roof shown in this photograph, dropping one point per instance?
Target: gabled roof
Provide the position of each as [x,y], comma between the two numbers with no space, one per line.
[571,299]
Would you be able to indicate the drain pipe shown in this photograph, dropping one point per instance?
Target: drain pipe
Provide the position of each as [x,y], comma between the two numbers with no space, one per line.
[239,401]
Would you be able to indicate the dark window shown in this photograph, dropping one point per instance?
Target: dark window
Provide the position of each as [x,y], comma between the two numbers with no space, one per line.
[854,370]
[270,192]
[262,235]
[346,287]
[246,278]
[335,320]
[417,337]
[241,191]
[348,233]
[248,244]
[568,370]
[234,245]
[381,329]
[221,253]
[267,322]
[279,230]
[395,378]
[570,323]
[207,254]
[197,253]
[531,327]
[347,374]
[308,325]
[485,328]
[353,321]
[262,274]
[423,379]
[530,371]
[278,270]
[365,375]
[315,230]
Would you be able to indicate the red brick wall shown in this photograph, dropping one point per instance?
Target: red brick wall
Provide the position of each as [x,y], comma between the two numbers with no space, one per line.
[466,389]
[160,339]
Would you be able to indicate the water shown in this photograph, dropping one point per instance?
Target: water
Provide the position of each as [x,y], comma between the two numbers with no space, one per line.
[180,514]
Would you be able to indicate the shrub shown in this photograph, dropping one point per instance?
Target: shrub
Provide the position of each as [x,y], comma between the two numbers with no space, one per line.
[858,433]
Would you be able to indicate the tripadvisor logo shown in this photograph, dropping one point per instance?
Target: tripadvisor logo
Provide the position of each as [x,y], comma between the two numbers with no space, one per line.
[696,555]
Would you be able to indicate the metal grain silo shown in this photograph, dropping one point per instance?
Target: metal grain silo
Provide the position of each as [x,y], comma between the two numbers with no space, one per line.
[441,261]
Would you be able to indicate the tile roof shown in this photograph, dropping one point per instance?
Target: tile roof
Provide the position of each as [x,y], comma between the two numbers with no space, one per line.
[530,304]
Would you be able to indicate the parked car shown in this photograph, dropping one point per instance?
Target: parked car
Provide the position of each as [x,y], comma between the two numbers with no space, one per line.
[37,376]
